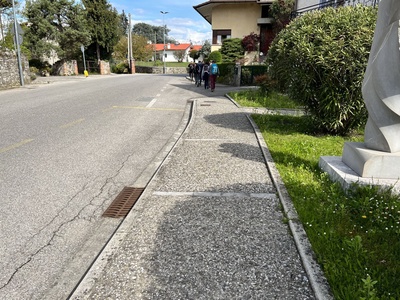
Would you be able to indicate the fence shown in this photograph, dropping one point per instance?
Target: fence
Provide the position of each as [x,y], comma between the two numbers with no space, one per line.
[334,3]
[91,66]
[248,74]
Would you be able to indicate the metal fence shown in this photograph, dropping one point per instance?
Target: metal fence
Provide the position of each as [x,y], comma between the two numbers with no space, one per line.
[248,74]
[334,3]
[92,66]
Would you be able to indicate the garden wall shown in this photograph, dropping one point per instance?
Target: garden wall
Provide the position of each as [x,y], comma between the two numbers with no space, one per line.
[9,71]
[159,70]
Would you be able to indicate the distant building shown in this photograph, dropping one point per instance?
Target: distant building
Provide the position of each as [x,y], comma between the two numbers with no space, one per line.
[171,48]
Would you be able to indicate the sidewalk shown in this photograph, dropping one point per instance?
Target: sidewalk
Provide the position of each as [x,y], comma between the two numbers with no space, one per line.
[210,224]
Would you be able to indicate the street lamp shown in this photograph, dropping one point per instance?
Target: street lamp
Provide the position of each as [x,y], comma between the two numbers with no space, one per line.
[164,13]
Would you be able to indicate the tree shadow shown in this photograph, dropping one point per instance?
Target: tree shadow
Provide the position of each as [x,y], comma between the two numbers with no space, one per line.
[243,151]
[235,120]
[223,248]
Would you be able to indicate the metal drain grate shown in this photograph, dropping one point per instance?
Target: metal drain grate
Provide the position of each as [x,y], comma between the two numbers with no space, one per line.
[123,203]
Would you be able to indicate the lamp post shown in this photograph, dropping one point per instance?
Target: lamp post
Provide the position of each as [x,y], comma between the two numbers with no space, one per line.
[164,13]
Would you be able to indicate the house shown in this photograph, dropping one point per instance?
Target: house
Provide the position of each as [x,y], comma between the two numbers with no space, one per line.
[170,49]
[239,18]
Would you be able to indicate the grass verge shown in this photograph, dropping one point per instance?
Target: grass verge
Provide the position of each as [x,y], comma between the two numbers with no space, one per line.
[356,236]
[273,100]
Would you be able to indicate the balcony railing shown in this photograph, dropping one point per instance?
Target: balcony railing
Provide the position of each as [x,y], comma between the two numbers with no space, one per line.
[334,3]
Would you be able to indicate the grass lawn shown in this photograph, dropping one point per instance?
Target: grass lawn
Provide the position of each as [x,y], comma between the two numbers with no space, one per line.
[356,236]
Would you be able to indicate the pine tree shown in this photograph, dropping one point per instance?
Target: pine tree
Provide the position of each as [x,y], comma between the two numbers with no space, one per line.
[57,26]
[104,25]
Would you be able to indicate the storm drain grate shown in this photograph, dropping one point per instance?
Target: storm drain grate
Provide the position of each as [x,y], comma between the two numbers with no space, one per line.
[123,203]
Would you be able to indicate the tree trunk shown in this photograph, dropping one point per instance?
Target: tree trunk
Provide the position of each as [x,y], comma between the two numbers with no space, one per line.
[98,53]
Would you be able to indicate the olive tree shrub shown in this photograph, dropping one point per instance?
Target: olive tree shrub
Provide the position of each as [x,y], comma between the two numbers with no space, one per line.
[319,59]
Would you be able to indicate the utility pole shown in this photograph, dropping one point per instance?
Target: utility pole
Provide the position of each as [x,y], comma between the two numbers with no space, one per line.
[130,44]
[17,41]
[155,46]
[164,13]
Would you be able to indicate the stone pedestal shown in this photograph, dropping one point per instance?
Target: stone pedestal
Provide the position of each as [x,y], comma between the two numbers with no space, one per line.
[370,163]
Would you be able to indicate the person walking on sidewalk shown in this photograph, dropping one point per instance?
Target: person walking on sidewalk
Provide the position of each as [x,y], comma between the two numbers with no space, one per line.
[191,70]
[213,76]
[206,74]
[198,72]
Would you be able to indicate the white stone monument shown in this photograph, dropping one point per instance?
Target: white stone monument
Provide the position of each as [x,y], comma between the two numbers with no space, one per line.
[379,156]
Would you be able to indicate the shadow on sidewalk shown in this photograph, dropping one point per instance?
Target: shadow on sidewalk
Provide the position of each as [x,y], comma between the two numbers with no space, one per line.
[242,151]
[222,248]
[236,121]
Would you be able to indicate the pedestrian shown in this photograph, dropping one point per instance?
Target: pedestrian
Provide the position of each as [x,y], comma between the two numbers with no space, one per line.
[198,71]
[206,74]
[191,71]
[214,72]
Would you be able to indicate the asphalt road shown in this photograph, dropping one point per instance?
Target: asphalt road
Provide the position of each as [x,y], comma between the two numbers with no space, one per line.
[66,150]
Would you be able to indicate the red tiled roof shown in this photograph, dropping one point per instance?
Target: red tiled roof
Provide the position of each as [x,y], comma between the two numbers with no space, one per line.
[173,47]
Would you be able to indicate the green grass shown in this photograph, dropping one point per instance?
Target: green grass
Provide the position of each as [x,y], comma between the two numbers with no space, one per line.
[253,98]
[356,236]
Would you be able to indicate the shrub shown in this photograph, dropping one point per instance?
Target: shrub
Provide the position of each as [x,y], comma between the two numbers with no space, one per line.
[215,56]
[120,68]
[42,67]
[265,83]
[232,50]
[319,59]
[226,73]
[251,42]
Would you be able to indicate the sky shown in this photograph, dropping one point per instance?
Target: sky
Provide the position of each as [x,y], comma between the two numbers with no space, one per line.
[185,23]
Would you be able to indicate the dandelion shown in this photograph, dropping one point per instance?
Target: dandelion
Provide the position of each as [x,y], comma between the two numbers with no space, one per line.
[364,216]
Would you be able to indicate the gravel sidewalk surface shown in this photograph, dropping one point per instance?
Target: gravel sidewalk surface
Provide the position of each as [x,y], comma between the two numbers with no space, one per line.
[208,226]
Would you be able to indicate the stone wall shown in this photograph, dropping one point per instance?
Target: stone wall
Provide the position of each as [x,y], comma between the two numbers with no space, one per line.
[65,68]
[9,71]
[105,68]
[159,70]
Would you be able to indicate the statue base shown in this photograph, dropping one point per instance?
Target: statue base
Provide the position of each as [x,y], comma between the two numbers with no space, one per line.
[341,173]
[371,163]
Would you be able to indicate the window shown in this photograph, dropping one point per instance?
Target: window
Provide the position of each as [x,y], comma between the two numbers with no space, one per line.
[265,11]
[220,35]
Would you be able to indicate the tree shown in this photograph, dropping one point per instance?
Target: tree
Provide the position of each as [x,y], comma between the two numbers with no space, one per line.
[5,4]
[179,55]
[124,23]
[140,49]
[103,22]
[153,33]
[120,52]
[194,54]
[281,11]
[232,50]
[205,50]
[58,26]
